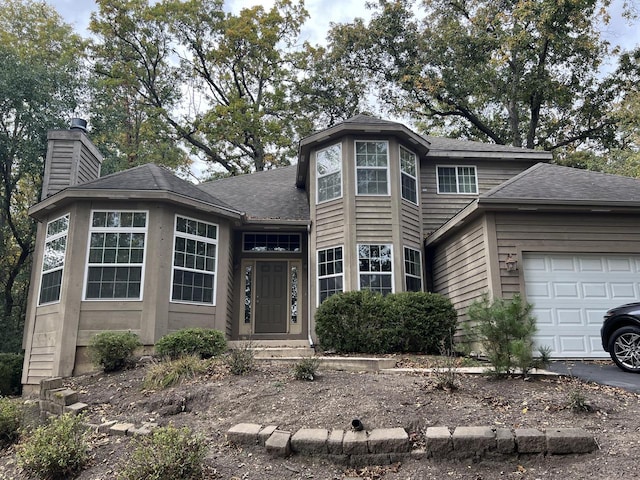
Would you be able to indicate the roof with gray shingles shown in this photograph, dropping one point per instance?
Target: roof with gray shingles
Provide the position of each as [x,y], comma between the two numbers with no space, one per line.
[151,177]
[546,182]
[267,195]
[454,144]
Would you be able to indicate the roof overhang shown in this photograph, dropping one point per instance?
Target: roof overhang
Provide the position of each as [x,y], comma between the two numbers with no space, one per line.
[65,197]
[507,155]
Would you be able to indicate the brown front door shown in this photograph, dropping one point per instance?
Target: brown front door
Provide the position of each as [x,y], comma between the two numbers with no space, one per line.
[271,297]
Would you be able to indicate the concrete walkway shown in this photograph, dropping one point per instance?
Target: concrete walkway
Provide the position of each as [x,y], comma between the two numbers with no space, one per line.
[598,372]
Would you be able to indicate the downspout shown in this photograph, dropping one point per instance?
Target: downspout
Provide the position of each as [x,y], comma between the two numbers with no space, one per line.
[309,287]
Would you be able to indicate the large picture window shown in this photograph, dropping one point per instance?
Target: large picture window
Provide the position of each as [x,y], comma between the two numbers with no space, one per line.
[117,242]
[372,164]
[194,261]
[375,268]
[330,272]
[457,180]
[329,173]
[409,175]
[412,270]
[55,248]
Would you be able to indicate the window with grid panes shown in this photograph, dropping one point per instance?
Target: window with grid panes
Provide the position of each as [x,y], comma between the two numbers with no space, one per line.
[53,261]
[412,270]
[375,268]
[372,162]
[462,180]
[409,175]
[330,272]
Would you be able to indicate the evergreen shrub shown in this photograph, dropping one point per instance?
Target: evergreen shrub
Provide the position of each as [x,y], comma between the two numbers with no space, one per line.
[204,342]
[113,350]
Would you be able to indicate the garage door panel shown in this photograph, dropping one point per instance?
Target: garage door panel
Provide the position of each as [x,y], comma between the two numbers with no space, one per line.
[572,292]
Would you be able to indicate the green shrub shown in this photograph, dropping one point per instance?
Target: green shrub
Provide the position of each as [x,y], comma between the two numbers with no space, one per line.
[241,360]
[425,321]
[10,420]
[306,369]
[11,373]
[506,329]
[367,322]
[55,451]
[168,453]
[203,342]
[172,372]
[113,350]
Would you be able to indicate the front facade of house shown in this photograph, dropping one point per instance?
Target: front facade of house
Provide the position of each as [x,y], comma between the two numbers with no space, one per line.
[369,205]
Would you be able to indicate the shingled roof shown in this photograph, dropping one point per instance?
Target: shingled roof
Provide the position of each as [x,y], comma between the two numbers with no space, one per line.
[267,195]
[548,183]
[452,147]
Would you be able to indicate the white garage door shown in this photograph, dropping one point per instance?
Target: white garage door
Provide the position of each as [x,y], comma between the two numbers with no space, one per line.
[570,294]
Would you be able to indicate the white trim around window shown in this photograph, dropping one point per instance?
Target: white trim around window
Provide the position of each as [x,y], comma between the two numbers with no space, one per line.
[116,254]
[375,267]
[457,179]
[329,173]
[195,261]
[330,263]
[412,270]
[55,248]
[372,167]
[408,175]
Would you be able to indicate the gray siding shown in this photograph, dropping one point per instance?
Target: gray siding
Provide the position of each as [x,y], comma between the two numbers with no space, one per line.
[330,222]
[40,362]
[411,225]
[438,208]
[374,219]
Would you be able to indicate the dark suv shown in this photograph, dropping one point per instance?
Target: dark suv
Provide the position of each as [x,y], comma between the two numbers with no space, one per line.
[620,335]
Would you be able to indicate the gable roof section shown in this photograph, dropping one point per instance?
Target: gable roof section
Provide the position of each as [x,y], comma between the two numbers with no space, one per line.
[146,182]
[265,196]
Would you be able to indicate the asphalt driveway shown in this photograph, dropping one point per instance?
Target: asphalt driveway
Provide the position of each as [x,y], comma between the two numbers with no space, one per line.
[599,372]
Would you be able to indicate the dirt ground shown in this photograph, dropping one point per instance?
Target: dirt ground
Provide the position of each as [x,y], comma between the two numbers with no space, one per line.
[215,401]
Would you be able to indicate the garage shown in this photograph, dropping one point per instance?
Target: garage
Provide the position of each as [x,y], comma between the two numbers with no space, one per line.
[571,292]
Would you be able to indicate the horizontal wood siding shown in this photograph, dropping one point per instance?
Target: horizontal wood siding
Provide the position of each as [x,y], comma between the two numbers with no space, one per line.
[374,219]
[411,227]
[329,221]
[559,232]
[460,267]
[102,316]
[43,347]
[60,168]
[438,208]
[88,168]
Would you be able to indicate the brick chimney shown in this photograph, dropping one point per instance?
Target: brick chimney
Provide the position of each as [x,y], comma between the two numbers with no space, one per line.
[72,159]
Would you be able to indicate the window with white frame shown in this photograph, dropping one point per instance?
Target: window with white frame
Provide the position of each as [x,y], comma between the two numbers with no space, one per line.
[412,270]
[375,268]
[117,241]
[452,179]
[194,261]
[372,168]
[329,173]
[330,272]
[409,175]
[55,248]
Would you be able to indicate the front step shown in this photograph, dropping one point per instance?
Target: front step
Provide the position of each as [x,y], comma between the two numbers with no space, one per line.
[282,352]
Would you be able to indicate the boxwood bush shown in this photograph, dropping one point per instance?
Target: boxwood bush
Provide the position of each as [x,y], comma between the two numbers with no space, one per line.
[10,420]
[11,373]
[113,350]
[367,322]
[203,342]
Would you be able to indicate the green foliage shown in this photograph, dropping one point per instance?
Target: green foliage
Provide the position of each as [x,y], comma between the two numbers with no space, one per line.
[113,350]
[203,342]
[55,451]
[306,369]
[168,453]
[10,420]
[11,373]
[172,372]
[506,329]
[367,322]
[577,401]
[241,360]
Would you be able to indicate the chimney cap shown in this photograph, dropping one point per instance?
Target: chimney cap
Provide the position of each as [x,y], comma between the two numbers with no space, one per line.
[79,124]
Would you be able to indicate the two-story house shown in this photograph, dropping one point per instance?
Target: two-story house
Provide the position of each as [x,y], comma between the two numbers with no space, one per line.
[369,205]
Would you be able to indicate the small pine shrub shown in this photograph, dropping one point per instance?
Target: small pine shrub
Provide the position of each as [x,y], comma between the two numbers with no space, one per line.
[306,369]
[240,360]
[10,421]
[204,342]
[56,451]
[166,374]
[168,453]
[505,329]
[11,373]
[113,350]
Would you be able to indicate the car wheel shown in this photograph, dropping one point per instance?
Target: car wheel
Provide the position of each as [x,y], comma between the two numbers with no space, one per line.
[624,348]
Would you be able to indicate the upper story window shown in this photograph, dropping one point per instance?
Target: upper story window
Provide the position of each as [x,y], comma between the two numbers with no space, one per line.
[375,268]
[271,242]
[329,173]
[55,248]
[452,179]
[409,175]
[372,168]
[330,272]
[412,270]
[117,241]
[194,261]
